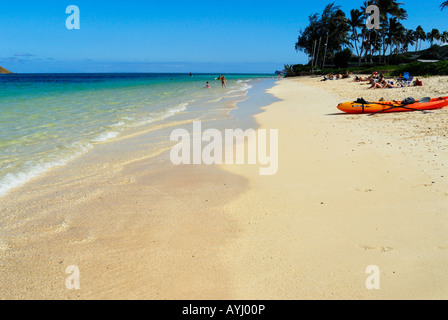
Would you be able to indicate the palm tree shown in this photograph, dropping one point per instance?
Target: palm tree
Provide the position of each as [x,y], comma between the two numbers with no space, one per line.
[366,43]
[289,70]
[420,36]
[433,35]
[337,28]
[396,35]
[410,39]
[332,28]
[444,5]
[388,8]
[367,35]
[355,22]
[444,37]
[307,37]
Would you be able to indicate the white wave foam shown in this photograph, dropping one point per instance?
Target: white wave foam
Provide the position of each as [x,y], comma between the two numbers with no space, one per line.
[244,88]
[106,136]
[216,100]
[15,180]
[118,124]
[179,108]
[165,114]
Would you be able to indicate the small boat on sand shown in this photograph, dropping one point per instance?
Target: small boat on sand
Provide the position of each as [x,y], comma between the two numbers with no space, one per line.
[406,105]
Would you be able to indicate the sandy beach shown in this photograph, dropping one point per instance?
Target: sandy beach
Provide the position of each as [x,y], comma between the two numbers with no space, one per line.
[352,191]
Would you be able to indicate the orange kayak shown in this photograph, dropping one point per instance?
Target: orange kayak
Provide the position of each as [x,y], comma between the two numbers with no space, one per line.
[362,106]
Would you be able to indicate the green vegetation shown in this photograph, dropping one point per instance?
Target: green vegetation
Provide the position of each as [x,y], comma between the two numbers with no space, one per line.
[342,58]
[335,43]
[423,69]
[414,68]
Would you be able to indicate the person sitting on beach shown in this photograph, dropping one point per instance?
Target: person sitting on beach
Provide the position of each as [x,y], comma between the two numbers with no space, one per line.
[328,77]
[382,84]
[208,85]
[346,75]
[339,76]
[360,79]
[418,83]
[374,77]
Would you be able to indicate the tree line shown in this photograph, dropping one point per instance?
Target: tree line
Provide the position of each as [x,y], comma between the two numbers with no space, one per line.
[333,32]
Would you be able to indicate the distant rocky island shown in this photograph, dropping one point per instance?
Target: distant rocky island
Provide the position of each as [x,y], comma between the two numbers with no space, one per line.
[4,71]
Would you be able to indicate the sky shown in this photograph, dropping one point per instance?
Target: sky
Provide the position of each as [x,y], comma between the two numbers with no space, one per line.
[242,36]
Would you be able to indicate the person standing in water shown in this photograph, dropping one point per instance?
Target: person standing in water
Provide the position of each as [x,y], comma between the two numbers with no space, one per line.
[208,86]
[223,81]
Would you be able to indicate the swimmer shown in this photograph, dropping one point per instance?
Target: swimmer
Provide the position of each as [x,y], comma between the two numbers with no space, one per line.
[208,85]
[223,81]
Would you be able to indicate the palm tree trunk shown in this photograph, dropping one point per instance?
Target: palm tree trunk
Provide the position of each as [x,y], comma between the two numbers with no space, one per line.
[325,52]
[317,54]
[314,53]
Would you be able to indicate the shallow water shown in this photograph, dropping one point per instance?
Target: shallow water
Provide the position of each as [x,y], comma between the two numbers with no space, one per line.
[48,119]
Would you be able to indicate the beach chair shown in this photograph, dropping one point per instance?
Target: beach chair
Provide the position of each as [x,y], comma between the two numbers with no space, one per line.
[405,80]
[409,80]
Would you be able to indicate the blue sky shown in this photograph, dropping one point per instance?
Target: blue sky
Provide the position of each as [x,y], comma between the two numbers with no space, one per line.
[168,36]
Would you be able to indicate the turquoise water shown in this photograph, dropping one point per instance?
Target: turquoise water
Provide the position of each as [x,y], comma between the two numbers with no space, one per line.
[48,119]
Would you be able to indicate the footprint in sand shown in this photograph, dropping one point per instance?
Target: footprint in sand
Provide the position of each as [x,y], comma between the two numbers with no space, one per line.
[381,248]
[129,180]
[3,246]
[430,185]
[423,185]
[364,190]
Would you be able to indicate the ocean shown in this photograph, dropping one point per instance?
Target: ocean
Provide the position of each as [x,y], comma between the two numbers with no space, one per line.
[46,120]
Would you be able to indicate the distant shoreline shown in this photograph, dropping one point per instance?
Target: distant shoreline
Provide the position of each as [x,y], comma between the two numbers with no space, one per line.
[5,71]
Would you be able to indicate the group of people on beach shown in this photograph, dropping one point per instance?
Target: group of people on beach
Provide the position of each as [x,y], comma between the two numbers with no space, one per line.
[376,80]
[379,82]
[223,82]
[338,76]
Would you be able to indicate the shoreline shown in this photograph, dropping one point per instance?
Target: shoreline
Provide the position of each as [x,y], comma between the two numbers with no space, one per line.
[341,201]
[118,130]
[84,213]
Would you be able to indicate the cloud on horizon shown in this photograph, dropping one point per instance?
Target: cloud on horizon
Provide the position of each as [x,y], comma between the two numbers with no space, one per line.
[20,54]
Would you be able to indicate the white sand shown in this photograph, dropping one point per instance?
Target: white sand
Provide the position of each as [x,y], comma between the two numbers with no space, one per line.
[351,191]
